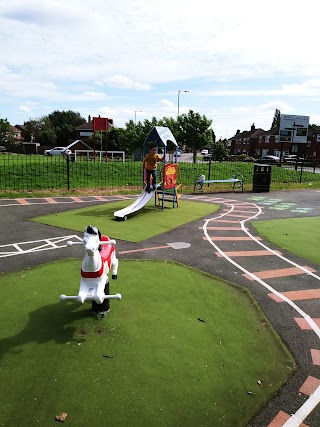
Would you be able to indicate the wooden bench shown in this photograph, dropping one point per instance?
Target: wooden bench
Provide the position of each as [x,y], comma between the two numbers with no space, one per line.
[235,180]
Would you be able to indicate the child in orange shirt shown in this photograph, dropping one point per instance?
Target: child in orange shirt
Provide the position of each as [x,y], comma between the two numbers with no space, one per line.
[150,163]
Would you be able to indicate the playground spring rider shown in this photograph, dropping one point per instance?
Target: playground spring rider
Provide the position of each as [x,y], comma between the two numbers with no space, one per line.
[99,258]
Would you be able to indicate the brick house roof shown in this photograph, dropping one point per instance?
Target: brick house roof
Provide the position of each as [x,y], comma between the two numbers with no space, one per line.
[21,127]
[89,125]
[253,133]
[272,131]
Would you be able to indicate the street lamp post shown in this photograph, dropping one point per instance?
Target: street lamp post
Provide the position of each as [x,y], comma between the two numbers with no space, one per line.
[179,98]
[135,115]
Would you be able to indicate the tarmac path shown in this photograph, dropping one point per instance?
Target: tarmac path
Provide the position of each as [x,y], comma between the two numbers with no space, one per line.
[286,287]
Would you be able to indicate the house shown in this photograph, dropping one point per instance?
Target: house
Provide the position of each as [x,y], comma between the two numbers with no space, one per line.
[245,142]
[312,148]
[17,134]
[284,148]
[23,131]
[267,144]
[85,131]
[258,143]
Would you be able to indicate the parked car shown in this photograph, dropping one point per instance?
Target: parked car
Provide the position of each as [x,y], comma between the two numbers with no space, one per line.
[204,152]
[291,158]
[207,157]
[274,160]
[57,151]
[3,149]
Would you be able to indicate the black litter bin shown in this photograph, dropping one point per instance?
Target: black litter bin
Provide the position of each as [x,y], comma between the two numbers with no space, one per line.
[261,178]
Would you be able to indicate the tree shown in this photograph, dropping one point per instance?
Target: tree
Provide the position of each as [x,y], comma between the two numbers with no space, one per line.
[131,138]
[36,125]
[6,134]
[219,150]
[276,119]
[214,136]
[64,123]
[314,128]
[192,130]
[38,128]
[47,137]
[195,131]
[117,140]
[135,135]
[60,123]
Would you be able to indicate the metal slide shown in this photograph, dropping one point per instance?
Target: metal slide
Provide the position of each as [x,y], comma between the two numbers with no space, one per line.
[141,201]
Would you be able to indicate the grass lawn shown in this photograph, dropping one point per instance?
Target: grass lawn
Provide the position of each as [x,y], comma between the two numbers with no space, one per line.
[298,235]
[148,222]
[151,362]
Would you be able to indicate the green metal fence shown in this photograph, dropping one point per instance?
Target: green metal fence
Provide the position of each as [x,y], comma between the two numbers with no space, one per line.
[35,172]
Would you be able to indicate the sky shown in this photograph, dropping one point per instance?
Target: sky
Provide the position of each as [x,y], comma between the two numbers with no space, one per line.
[134,60]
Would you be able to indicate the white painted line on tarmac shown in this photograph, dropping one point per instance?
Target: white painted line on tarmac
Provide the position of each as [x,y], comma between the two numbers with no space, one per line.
[314,398]
[271,250]
[307,318]
[309,405]
[37,245]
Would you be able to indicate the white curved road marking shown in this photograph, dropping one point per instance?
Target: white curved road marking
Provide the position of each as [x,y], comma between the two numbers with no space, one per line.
[296,419]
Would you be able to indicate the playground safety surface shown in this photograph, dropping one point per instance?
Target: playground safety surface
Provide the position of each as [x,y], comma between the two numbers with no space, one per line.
[286,287]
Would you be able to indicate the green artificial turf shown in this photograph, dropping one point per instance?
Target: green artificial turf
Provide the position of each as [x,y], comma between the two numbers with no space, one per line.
[148,222]
[298,235]
[180,348]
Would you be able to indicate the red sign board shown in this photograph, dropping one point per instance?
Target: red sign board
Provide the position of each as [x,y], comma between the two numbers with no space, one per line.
[100,124]
[170,176]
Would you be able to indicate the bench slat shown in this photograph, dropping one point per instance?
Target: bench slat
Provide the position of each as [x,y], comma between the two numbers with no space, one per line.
[212,181]
[219,180]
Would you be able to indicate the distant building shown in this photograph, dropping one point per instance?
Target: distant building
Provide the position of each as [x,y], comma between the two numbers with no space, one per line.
[85,131]
[22,130]
[17,134]
[245,142]
[258,143]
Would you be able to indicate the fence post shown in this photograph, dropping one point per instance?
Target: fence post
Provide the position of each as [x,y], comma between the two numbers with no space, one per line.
[209,172]
[68,170]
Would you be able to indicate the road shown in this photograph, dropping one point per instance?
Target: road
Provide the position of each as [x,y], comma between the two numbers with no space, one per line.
[224,244]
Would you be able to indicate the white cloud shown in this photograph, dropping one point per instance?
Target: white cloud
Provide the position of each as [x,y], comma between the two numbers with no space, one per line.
[227,120]
[65,54]
[156,46]
[277,105]
[107,112]
[27,107]
[307,88]
[165,103]
[314,119]
[50,13]
[123,82]
[93,96]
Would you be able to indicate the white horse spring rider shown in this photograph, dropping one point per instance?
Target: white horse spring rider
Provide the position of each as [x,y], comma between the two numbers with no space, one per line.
[99,258]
